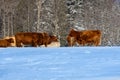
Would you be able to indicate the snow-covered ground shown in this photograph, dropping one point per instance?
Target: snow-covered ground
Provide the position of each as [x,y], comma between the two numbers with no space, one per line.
[64,63]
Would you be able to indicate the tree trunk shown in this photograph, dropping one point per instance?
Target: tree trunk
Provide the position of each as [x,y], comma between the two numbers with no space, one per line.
[39,2]
[4,24]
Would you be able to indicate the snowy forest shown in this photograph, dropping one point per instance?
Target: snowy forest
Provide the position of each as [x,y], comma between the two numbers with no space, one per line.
[59,16]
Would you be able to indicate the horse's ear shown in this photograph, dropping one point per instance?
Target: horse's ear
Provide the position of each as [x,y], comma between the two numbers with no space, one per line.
[72,30]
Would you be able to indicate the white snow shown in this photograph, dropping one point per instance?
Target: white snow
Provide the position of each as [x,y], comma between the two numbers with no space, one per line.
[63,63]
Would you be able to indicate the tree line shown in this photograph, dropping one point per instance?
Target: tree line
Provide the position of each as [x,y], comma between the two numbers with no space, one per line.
[59,16]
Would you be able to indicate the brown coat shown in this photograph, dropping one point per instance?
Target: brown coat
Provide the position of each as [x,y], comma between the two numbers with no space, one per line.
[13,37]
[34,39]
[6,42]
[27,38]
[92,37]
[48,39]
[71,40]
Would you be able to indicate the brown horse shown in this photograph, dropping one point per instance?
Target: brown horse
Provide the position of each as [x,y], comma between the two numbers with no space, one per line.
[92,37]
